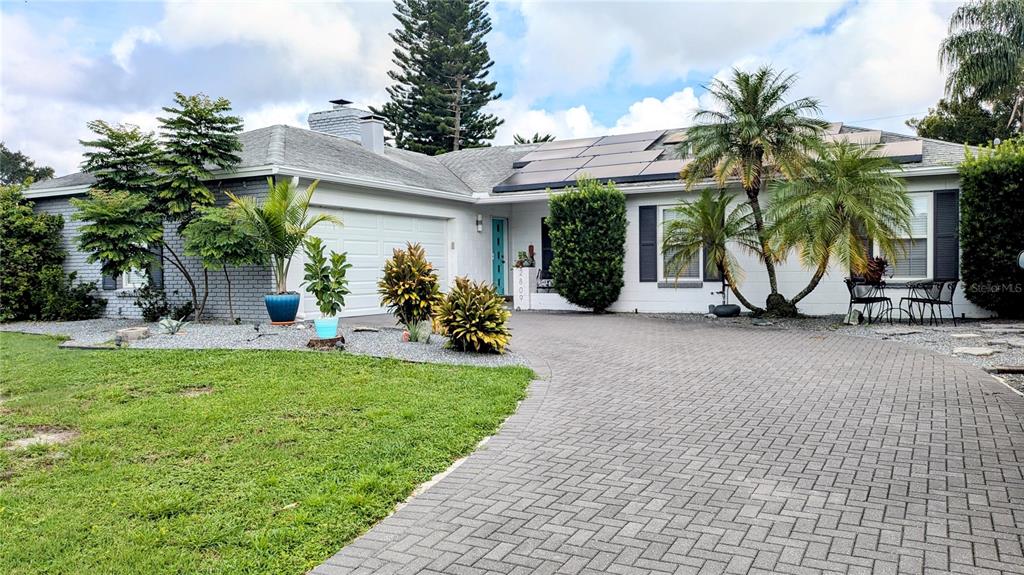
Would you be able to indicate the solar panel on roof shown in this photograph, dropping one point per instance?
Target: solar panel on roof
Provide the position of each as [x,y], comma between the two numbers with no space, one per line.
[548,155]
[617,148]
[535,179]
[860,138]
[561,164]
[674,137]
[611,172]
[665,167]
[623,138]
[903,152]
[627,158]
[560,144]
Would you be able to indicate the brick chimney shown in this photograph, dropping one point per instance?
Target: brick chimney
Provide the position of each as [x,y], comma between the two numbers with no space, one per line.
[341,120]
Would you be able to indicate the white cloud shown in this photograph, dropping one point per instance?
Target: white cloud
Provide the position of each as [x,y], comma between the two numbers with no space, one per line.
[123,48]
[879,61]
[573,47]
[676,110]
[289,113]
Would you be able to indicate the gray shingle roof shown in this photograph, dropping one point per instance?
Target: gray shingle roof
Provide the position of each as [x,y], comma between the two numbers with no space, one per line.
[474,170]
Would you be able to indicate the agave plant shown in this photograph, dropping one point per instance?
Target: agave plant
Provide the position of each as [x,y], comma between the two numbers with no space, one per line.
[281,222]
[473,317]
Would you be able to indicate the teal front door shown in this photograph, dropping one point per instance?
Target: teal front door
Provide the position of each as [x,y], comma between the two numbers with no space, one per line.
[498,255]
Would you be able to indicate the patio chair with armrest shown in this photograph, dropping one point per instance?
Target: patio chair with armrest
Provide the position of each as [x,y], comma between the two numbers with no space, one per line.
[545,283]
[932,293]
[868,295]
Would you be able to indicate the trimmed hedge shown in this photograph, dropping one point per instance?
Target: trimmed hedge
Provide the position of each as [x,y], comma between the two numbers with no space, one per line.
[992,227]
[587,226]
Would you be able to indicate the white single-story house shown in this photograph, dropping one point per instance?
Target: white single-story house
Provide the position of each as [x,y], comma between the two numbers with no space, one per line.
[475,209]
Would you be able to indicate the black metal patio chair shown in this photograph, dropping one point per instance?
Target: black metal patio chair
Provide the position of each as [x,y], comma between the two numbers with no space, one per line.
[868,295]
[934,294]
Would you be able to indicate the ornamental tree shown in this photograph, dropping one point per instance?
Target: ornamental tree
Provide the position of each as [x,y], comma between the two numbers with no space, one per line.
[143,183]
[221,237]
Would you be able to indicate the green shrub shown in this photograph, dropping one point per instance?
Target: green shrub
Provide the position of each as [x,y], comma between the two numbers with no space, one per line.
[991,234]
[29,242]
[63,299]
[409,287]
[473,317]
[153,303]
[588,236]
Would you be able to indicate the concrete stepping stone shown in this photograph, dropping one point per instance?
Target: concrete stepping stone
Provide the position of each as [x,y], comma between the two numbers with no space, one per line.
[975,351]
[897,331]
[1005,330]
[964,335]
[1008,341]
[133,333]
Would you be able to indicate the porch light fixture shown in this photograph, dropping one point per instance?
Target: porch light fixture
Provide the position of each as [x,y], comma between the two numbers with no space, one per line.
[479,223]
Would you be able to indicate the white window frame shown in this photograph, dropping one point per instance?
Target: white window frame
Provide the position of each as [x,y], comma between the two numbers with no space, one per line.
[927,198]
[662,277]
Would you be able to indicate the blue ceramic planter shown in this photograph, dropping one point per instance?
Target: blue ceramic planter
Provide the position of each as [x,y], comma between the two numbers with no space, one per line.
[282,307]
[326,328]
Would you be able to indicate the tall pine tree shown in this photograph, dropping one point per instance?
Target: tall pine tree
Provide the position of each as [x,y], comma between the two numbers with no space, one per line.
[441,82]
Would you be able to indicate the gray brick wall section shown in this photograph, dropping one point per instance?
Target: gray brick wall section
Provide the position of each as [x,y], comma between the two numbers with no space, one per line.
[249,284]
[341,121]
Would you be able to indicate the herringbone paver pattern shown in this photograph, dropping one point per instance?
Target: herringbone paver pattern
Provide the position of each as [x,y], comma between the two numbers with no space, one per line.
[654,446]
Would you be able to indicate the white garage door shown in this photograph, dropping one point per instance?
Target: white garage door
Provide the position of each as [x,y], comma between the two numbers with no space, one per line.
[369,238]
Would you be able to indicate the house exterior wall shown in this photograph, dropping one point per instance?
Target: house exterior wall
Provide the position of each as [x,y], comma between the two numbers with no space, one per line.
[249,283]
[469,251]
[830,297]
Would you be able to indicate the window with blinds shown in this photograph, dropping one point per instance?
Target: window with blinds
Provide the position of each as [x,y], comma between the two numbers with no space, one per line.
[911,258]
[671,268]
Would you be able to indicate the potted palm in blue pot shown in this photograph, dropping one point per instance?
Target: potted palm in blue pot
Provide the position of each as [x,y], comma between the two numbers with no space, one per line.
[326,280]
[280,224]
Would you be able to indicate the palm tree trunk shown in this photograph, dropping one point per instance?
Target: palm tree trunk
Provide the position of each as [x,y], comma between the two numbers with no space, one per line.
[739,296]
[762,236]
[818,274]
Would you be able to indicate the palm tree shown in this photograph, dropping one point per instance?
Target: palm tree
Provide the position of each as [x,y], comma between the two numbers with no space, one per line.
[754,136]
[985,53]
[281,222]
[536,138]
[711,223]
[845,194]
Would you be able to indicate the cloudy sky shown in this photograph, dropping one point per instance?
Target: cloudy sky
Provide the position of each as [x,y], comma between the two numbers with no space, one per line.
[571,68]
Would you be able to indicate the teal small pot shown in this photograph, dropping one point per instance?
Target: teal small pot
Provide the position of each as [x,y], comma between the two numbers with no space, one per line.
[282,307]
[326,328]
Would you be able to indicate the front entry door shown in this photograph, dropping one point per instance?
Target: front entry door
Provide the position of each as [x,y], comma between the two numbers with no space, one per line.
[498,255]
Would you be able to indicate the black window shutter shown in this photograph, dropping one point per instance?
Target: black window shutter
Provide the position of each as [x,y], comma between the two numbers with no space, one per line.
[546,253]
[156,269]
[946,251]
[648,243]
[109,282]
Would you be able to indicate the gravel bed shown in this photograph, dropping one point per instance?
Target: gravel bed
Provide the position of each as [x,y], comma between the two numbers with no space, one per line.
[85,332]
[386,342]
[937,338]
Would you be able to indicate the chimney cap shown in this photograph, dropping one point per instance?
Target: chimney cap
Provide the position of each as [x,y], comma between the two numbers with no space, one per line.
[341,102]
[373,117]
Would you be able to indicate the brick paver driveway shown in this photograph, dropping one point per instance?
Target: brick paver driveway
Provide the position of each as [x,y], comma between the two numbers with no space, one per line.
[658,446]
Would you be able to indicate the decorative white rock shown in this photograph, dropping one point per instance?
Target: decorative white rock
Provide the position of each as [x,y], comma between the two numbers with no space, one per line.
[975,351]
[133,333]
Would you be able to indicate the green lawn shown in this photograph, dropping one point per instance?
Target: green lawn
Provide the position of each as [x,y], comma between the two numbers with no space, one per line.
[290,456]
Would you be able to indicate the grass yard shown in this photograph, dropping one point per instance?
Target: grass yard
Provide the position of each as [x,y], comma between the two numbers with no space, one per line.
[221,461]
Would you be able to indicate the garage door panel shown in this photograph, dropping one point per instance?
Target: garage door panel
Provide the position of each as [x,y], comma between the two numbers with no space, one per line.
[370,238]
